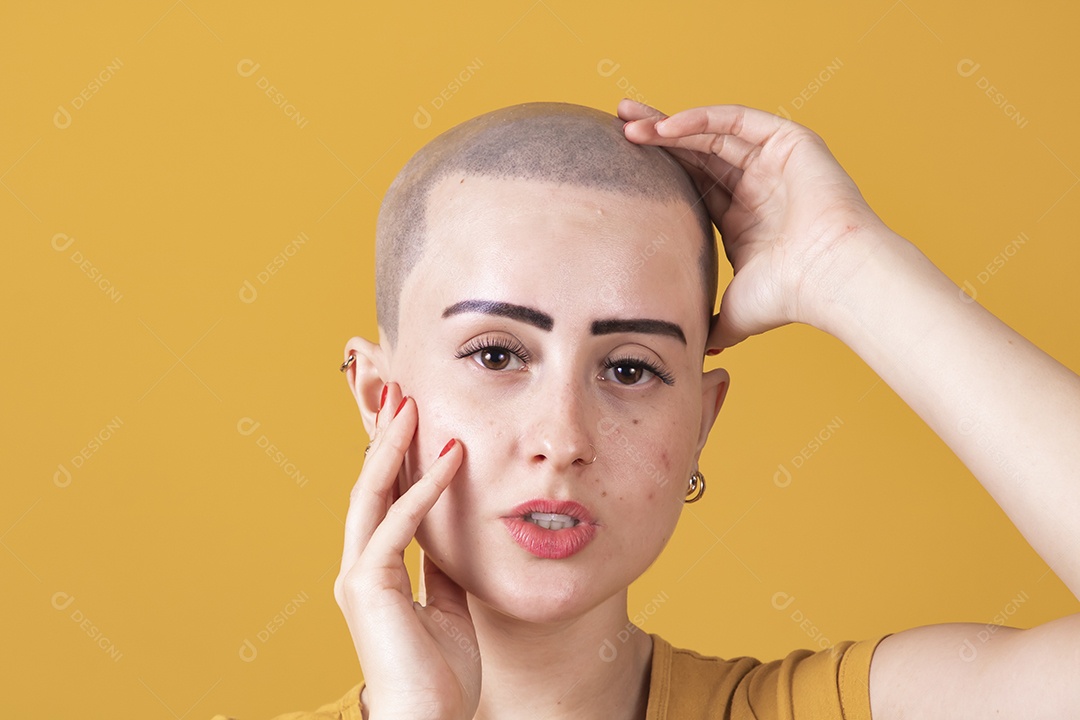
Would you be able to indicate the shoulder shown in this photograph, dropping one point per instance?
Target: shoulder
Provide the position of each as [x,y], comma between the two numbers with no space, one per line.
[833,682]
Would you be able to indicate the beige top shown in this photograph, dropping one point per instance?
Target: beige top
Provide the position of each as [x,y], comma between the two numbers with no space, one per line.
[822,685]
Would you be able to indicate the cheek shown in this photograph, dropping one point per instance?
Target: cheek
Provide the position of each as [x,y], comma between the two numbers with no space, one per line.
[651,455]
[444,414]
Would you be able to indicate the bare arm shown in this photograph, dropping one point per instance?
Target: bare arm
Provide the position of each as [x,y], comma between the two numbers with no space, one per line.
[1009,411]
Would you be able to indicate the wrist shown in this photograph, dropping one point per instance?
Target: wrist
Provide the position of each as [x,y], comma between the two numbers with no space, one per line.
[869,275]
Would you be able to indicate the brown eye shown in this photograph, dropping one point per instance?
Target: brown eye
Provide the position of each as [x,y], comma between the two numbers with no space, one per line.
[494,358]
[634,372]
[627,374]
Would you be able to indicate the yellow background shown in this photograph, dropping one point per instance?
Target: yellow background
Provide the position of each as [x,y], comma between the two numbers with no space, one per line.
[179,180]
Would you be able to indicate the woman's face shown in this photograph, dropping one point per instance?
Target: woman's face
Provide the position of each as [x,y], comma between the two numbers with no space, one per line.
[542,328]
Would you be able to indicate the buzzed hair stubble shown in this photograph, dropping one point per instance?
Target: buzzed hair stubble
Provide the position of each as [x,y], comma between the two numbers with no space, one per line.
[554,142]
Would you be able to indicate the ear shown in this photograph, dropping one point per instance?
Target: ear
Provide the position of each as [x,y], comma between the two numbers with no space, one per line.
[366,378]
[714,387]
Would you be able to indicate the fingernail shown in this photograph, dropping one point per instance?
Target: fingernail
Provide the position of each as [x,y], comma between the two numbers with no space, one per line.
[714,351]
[447,448]
[403,400]
[382,400]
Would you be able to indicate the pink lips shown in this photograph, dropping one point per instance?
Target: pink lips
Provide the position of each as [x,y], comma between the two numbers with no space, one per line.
[551,544]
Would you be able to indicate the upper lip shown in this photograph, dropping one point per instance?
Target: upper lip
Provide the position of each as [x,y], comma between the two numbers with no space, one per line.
[560,507]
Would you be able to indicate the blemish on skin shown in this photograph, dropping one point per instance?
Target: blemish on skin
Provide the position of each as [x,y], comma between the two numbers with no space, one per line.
[651,495]
[636,421]
[603,494]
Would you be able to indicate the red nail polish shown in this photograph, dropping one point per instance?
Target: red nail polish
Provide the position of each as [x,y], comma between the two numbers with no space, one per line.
[712,351]
[401,405]
[447,448]
[382,400]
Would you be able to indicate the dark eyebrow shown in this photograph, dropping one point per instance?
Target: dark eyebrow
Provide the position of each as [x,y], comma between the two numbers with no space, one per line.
[655,327]
[502,309]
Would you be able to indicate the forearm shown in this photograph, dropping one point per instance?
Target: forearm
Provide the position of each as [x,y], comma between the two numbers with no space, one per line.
[1009,411]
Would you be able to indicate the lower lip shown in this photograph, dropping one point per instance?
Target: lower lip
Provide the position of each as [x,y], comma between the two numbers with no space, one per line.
[549,544]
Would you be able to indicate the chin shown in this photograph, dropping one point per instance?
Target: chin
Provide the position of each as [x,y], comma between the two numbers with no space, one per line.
[547,599]
[529,589]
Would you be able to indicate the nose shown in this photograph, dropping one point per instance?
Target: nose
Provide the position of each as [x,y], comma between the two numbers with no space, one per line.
[559,433]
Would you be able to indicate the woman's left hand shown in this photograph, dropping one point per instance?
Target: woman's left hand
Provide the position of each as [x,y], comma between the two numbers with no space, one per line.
[794,225]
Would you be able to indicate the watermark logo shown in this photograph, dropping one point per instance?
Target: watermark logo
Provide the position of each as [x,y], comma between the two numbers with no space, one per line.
[248,650]
[783,476]
[248,67]
[61,242]
[968,650]
[812,88]
[248,292]
[969,426]
[62,117]
[62,477]
[455,634]
[625,272]
[247,427]
[967,68]
[609,650]
[612,429]
[782,601]
[607,67]
[62,601]
[968,292]
[422,118]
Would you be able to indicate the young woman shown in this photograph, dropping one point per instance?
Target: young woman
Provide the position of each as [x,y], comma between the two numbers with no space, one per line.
[537,408]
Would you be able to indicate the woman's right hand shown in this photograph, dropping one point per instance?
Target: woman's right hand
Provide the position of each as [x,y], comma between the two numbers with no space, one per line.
[419,660]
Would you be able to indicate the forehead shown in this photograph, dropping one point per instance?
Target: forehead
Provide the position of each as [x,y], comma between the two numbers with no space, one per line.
[568,250]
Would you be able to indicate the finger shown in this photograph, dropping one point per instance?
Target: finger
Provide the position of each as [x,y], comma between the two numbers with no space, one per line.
[397,529]
[633,110]
[437,587]
[732,150]
[692,153]
[422,594]
[750,125]
[708,171]
[388,402]
[369,501]
[697,150]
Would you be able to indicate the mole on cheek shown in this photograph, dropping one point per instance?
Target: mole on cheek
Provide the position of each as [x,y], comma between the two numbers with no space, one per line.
[636,421]
[603,494]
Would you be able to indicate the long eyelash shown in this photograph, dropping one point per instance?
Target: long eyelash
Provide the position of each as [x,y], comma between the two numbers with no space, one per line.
[666,377]
[501,343]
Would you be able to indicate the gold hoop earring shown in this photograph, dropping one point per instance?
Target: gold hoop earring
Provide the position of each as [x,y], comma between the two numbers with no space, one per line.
[696,488]
[345,365]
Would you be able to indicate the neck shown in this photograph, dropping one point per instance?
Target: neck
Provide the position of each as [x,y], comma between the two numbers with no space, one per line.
[595,665]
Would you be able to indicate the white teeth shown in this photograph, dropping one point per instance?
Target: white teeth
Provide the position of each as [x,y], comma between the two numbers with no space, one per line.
[551,521]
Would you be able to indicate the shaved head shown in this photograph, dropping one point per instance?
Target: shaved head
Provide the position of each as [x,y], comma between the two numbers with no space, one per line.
[551,142]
